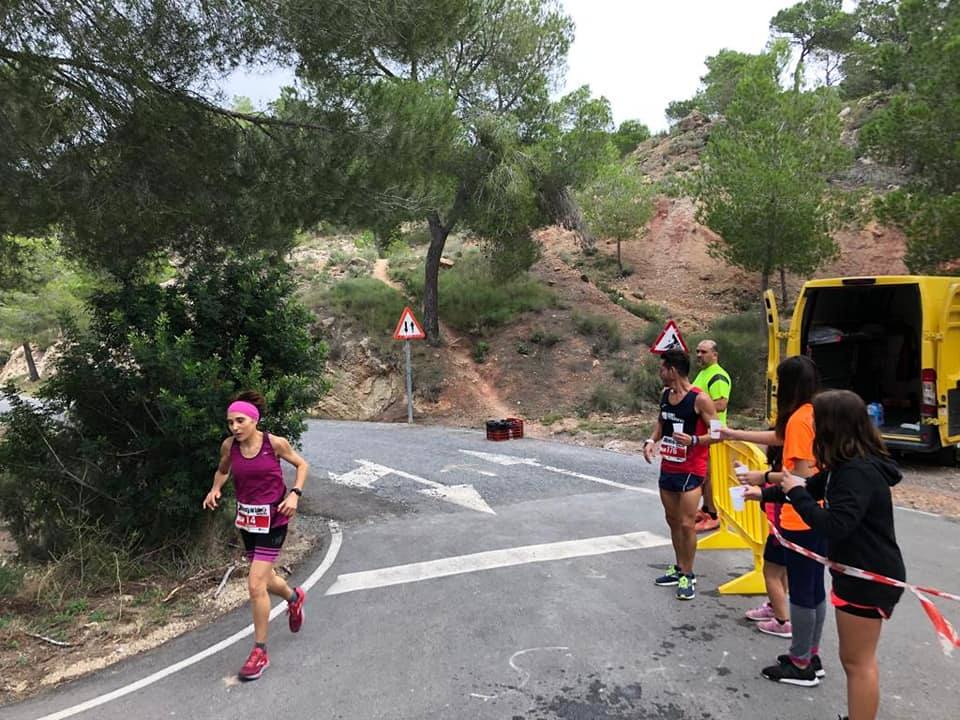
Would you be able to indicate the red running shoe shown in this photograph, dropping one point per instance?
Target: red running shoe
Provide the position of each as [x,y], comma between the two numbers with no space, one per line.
[295,610]
[255,665]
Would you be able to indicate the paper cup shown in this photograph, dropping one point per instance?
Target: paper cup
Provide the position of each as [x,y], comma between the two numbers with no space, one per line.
[740,470]
[677,428]
[715,426]
[736,497]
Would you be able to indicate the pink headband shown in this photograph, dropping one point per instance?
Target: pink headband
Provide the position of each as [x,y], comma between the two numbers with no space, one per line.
[248,409]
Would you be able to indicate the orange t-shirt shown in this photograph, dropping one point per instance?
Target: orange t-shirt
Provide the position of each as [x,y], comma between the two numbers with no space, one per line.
[797,445]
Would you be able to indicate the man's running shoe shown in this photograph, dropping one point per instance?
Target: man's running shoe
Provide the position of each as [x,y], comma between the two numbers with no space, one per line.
[775,627]
[815,663]
[786,672]
[759,614]
[706,523]
[295,610]
[671,577]
[685,587]
[255,665]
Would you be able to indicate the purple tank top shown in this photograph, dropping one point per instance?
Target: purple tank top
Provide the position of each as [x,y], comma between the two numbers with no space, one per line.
[259,480]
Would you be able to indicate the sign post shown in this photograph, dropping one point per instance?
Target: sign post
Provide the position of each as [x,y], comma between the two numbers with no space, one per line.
[408,329]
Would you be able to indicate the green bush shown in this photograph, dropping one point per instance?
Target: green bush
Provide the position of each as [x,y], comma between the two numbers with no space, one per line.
[480,351]
[126,434]
[376,307]
[742,340]
[604,399]
[539,336]
[11,579]
[605,330]
[652,312]
[644,385]
[472,299]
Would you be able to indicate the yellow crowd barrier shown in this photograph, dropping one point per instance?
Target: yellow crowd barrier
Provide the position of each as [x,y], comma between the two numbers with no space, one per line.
[739,529]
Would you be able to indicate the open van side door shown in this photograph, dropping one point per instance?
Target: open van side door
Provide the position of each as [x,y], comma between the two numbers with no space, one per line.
[773,352]
[949,361]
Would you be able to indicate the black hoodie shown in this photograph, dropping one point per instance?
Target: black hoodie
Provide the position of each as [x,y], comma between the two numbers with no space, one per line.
[857,522]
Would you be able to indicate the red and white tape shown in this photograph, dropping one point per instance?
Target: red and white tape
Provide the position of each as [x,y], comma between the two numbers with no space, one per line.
[945,633]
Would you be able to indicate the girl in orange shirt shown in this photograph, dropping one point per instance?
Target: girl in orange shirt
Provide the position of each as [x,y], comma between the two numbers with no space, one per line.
[798,381]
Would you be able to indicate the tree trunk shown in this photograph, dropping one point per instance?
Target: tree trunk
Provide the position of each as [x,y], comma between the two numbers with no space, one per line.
[31,365]
[619,258]
[431,279]
[783,287]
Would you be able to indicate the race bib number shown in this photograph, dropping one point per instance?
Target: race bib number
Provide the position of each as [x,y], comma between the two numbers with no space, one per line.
[672,451]
[253,518]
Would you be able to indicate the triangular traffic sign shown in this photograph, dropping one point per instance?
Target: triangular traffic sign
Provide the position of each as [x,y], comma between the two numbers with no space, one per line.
[669,339]
[408,328]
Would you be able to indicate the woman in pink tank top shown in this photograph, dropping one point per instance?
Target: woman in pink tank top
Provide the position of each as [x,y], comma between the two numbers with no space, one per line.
[264,509]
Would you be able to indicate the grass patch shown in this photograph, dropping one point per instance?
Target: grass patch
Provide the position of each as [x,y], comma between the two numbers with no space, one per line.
[471,298]
[652,312]
[604,330]
[480,351]
[552,417]
[539,336]
[11,580]
[375,307]
[742,341]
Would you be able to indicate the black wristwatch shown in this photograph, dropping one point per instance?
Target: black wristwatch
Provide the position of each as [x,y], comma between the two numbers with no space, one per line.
[298,491]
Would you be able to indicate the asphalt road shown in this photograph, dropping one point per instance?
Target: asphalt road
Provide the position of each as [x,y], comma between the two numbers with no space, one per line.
[436,605]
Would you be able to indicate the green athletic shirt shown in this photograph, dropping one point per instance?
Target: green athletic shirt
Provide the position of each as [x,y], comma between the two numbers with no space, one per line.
[715,381]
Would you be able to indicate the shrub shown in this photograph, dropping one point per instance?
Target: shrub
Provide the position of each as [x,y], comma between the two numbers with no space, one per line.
[480,351]
[742,339]
[127,431]
[604,399]
[648,311]
[376,307]
[11,578]
[523,348]
[605,330]
[539,336]
[644,385]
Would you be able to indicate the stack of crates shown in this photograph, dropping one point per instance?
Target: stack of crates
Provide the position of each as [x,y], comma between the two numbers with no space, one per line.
[506,429]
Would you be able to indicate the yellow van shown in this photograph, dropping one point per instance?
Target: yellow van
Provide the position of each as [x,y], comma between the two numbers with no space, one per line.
[894,340]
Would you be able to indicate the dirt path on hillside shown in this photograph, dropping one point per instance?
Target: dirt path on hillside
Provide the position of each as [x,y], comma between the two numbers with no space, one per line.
[467,393]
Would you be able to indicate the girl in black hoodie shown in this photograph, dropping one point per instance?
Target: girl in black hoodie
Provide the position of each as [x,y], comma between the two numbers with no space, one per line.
[855,478]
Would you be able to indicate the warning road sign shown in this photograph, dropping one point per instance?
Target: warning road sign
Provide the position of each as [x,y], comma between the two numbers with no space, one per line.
[670,339]
[408,328]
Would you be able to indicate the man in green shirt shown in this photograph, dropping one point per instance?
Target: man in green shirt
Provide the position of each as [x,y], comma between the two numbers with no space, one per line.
[715,381]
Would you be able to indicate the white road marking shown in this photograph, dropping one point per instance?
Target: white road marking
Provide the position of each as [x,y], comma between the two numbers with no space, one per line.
[525,674]
[362,477]
[369,472]
[918,512]
[533,462]
[471,468]
[492,559]
[336,539]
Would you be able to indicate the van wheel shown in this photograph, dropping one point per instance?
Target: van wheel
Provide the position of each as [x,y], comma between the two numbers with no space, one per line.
[949,456]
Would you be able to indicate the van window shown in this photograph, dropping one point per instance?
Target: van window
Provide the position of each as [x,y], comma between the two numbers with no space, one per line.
[867,339]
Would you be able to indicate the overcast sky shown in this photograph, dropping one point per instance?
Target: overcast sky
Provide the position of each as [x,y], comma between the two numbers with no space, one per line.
[639,54]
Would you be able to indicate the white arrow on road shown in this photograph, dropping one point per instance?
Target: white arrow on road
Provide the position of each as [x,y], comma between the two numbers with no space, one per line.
[533,462]
[369,472]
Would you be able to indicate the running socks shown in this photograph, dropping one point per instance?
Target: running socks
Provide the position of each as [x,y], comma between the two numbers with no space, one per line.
[293,596]
[262,646]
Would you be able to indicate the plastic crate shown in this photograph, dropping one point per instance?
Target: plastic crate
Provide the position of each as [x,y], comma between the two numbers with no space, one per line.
[506,429]
[516,428]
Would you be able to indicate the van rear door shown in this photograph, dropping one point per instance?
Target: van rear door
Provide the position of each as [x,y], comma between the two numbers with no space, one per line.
[773,353]
[948,370]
